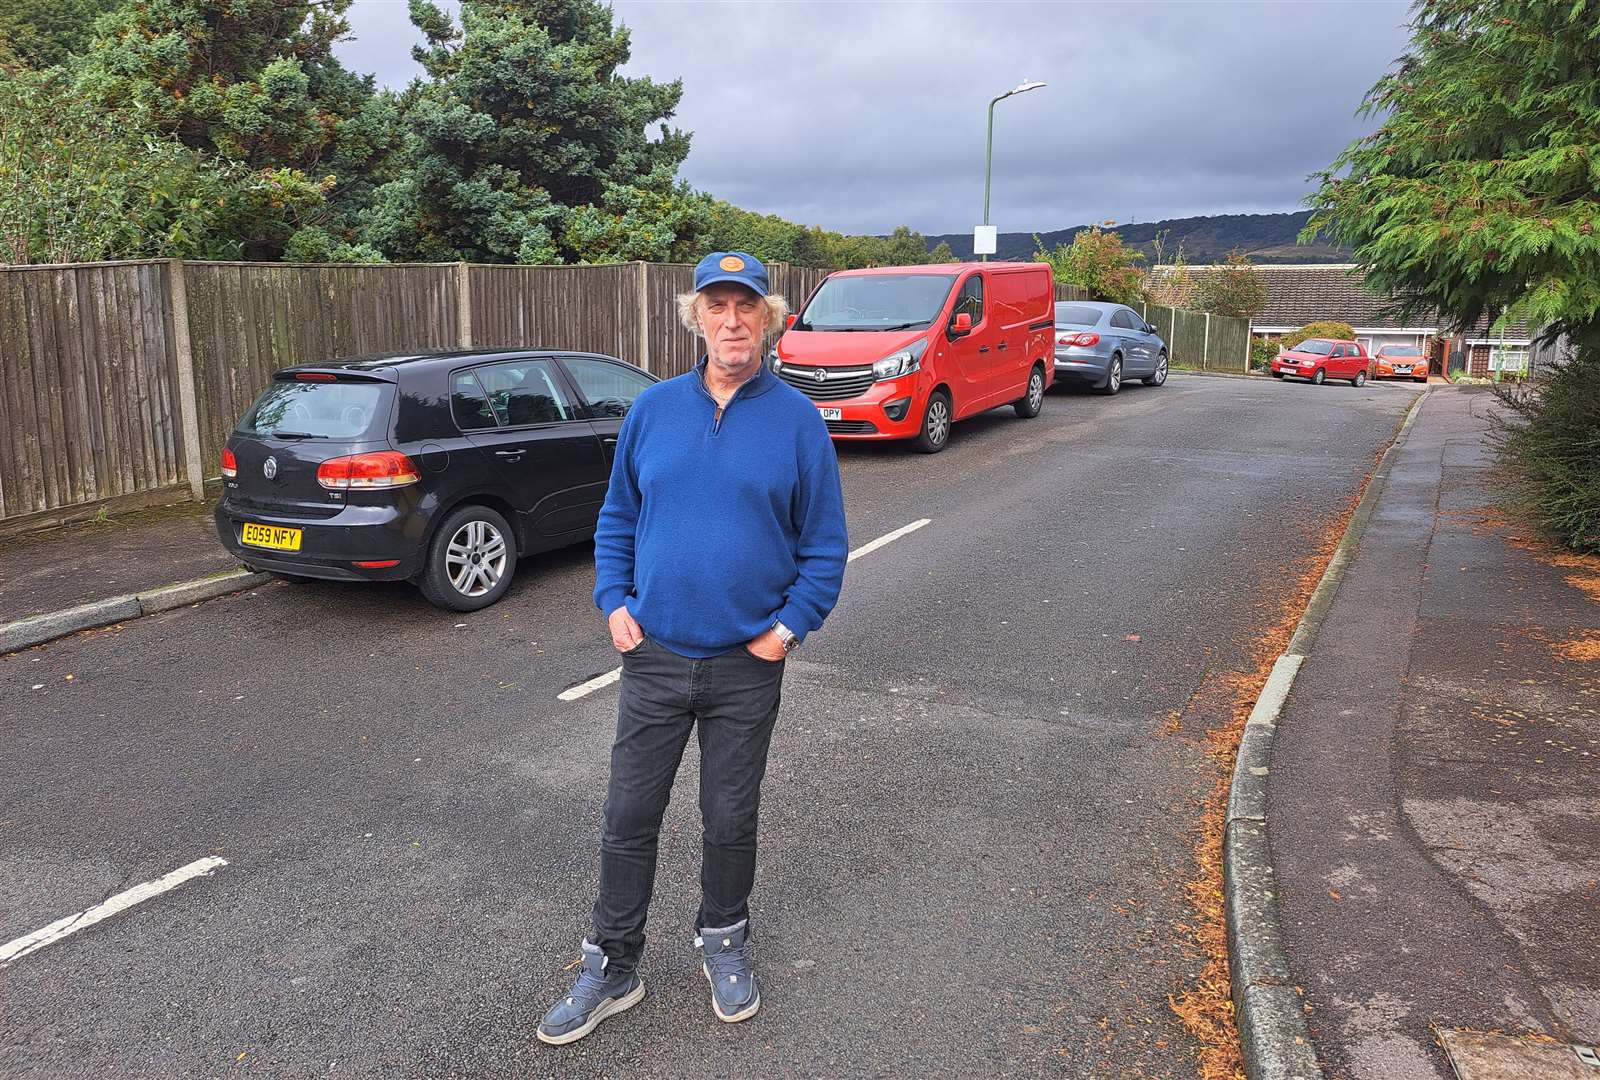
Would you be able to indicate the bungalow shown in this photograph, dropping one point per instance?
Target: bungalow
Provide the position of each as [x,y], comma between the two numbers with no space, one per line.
[1301,293]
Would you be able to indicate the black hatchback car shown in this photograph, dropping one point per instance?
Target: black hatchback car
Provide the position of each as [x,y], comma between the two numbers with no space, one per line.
[440,469]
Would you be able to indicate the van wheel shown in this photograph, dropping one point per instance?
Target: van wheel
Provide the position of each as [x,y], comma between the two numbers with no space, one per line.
[470,561]
[1029,404]
[1113,381]
[1159,375]
[1360,379]
[1319,377]
[935,434]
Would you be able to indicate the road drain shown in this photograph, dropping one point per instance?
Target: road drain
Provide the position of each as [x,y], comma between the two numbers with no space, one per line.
[1478,1055]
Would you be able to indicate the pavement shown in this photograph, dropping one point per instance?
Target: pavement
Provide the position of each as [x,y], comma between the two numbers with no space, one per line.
[978,823]
[74,565]
[1432,801]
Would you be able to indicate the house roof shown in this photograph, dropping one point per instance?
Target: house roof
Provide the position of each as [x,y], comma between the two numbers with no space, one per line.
[1301,293]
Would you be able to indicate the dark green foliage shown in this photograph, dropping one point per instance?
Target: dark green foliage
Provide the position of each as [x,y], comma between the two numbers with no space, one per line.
[1548,434]
[45,33]
[80,184]
[1480,191]
[771,238]
[525,145]
[253,84]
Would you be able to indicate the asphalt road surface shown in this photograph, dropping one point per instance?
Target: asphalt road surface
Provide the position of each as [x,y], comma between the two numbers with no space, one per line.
[976,825]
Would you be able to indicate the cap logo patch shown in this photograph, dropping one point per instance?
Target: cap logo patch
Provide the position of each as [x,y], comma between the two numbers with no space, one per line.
[731,263]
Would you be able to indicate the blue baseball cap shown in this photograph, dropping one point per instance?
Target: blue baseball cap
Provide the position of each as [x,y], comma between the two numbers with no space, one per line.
[739,267]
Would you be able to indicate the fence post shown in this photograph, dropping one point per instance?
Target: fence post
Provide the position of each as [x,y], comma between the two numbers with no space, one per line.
[1249,340]
[644,314]
[1205,349]
[188,403]
[464,305]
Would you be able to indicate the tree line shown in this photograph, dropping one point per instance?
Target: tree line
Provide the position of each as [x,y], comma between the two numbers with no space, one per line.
[228,129]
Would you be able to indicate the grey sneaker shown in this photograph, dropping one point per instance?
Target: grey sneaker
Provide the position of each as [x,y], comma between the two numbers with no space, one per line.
[592,998]
[735,996]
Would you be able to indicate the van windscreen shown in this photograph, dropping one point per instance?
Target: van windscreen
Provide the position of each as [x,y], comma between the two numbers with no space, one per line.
[876,302]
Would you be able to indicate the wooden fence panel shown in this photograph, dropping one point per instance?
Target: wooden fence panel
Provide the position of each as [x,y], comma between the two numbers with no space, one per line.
[673,350]
[1230,344]
[585,308]
[87,385]
[1187,342]
[248,320]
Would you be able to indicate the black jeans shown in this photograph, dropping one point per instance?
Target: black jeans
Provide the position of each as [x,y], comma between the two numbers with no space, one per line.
[733,700]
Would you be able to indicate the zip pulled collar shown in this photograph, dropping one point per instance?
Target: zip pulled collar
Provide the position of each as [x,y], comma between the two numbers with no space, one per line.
[756,385]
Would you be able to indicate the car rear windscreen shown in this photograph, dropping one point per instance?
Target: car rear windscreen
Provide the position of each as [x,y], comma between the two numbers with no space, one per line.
[876,302]
[319,410]
[1076,315]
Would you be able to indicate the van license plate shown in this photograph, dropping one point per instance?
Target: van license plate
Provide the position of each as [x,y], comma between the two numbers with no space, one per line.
[832,414]
[270,536]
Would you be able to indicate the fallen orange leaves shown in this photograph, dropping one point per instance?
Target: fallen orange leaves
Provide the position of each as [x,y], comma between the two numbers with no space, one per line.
[1206,1008]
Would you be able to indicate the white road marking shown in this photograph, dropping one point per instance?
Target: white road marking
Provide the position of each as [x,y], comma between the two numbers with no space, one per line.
[59,929]
[591,686]
[600,682]
[886,538]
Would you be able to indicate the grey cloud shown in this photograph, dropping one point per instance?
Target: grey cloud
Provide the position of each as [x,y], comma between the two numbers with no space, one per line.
[862,116]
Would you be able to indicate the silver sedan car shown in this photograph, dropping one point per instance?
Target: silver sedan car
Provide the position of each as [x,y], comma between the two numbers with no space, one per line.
[1100,344]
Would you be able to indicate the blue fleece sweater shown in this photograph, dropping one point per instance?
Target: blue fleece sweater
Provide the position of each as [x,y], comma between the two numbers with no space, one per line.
[711,531]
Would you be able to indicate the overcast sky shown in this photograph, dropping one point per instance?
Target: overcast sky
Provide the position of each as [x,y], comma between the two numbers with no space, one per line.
[860,116]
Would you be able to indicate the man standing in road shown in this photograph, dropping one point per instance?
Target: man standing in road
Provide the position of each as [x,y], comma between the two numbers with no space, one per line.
[721,545]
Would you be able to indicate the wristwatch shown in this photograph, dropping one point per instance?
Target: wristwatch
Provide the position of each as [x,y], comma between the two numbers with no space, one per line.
[786,636]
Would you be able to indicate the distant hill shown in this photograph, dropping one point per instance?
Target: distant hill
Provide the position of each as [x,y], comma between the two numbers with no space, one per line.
[1265,238]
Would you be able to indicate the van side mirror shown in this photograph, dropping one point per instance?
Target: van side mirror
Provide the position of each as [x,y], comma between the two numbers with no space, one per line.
[788,324]
[961,325]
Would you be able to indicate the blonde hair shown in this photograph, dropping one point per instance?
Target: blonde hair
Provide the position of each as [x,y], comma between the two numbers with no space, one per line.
[777,311]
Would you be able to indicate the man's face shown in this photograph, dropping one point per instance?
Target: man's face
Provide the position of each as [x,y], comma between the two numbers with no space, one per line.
[732,320]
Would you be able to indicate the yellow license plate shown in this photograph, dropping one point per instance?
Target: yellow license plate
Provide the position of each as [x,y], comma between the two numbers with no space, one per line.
[270,536]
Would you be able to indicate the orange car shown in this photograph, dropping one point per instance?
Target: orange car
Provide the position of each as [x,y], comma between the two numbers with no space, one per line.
[1400,362]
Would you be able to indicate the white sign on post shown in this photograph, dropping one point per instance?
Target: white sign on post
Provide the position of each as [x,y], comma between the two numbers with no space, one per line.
[985,239]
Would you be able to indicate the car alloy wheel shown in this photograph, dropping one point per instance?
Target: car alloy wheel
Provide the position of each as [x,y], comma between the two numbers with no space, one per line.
[1360,379]
[1319,377]
[1036,390]
[475,558]
[1159,375]
[1113,376]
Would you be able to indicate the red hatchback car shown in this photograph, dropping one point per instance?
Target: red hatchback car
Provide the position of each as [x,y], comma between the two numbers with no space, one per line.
[1321,359]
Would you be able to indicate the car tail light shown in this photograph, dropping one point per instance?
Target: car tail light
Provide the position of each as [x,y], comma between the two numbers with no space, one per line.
[315,376]
[230,464]
[385,469]
[1080,340]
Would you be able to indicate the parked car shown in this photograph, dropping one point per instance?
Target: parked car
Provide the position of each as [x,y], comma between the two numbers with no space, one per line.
[1321,359]
[901,352]
[440,469]
[1100,345]
[1400,362]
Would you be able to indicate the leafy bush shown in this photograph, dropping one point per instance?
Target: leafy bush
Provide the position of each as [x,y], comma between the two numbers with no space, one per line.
[1327,329]
[1547,431]
[1263,349]
[1100,262]
[1235,288]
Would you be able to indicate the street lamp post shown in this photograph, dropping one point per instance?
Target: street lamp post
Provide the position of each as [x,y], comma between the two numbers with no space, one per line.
[988,154]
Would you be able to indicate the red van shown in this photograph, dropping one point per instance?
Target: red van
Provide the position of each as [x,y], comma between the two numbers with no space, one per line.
[901,352]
